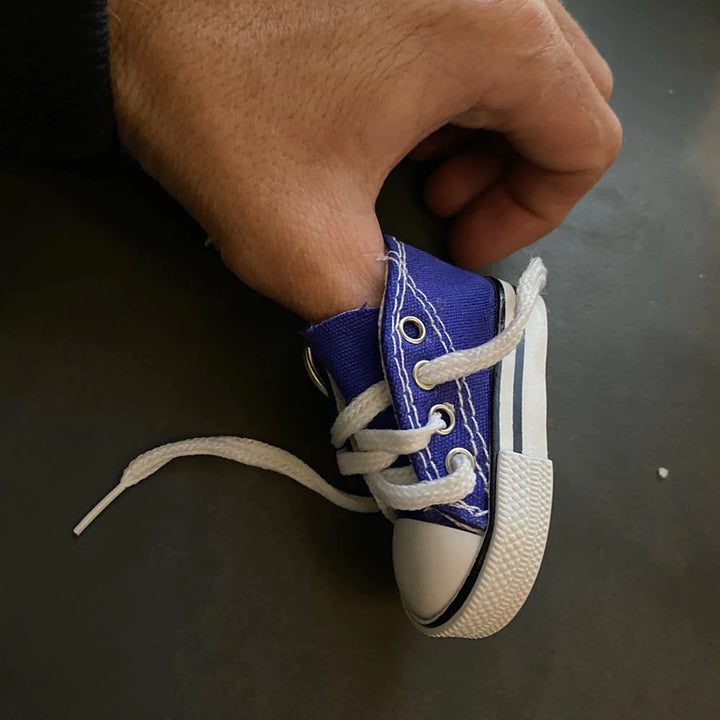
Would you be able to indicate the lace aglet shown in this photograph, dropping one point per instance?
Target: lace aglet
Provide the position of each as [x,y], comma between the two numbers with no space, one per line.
[114,493]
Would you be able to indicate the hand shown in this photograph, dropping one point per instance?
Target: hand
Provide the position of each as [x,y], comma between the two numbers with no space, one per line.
[275,123]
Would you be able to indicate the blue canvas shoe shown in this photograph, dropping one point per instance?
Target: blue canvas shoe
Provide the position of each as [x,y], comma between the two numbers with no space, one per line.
[441,424]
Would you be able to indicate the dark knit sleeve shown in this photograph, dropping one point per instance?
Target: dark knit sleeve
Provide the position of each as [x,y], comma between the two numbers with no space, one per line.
[55,96]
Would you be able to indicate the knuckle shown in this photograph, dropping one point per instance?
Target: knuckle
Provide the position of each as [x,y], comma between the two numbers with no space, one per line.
[605,80]
[537,43]
[598,152]
[613,140]
[491,18]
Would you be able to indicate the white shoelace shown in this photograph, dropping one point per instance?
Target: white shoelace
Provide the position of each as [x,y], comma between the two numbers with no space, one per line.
[374,450]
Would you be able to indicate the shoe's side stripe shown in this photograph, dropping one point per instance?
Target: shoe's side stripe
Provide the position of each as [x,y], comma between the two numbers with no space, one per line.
[517,396]
[503,405]
[534,396]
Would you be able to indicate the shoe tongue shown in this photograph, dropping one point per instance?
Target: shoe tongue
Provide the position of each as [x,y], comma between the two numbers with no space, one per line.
[346,348]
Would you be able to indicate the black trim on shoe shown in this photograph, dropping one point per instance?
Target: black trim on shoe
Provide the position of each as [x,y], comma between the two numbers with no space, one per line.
[517,396]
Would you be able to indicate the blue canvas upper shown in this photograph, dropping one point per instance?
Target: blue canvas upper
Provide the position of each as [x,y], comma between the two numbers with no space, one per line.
[358,348]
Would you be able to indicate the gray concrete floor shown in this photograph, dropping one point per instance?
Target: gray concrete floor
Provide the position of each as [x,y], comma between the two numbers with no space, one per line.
[218,591]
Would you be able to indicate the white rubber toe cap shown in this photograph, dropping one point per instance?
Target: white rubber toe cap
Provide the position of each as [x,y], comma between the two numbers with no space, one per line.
[431,562]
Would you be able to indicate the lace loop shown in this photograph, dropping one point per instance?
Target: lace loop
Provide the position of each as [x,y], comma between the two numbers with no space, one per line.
[403,442]
[420,495]
[359,413]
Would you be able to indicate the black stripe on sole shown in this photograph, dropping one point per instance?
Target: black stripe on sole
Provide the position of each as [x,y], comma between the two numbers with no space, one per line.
[517,396]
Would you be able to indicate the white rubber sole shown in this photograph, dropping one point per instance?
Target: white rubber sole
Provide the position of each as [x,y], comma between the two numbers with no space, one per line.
[504,571]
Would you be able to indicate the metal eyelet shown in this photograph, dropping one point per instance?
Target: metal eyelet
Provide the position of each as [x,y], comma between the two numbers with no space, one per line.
[412,321]
[447,412]
[454,453]
[312,371]
[417,380]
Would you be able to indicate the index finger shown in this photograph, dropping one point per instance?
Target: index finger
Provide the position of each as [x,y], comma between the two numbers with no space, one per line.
[566,136]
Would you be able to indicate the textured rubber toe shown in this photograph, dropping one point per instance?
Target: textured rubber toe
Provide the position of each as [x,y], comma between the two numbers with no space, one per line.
[517,544]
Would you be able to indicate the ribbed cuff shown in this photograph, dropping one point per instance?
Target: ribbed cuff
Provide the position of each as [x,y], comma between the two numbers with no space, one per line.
[55,94]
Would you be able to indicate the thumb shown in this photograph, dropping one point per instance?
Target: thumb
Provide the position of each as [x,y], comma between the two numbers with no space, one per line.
[318,252]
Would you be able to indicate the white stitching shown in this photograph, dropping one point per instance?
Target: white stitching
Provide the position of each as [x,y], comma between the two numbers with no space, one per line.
[462,504]
[400,361]
[457,522]
[402,264]
[396,324]
[464,381]
[472,509]
[415,290]
[408,281]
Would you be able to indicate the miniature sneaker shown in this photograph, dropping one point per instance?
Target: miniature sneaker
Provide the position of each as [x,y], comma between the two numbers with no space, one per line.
[441,424]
